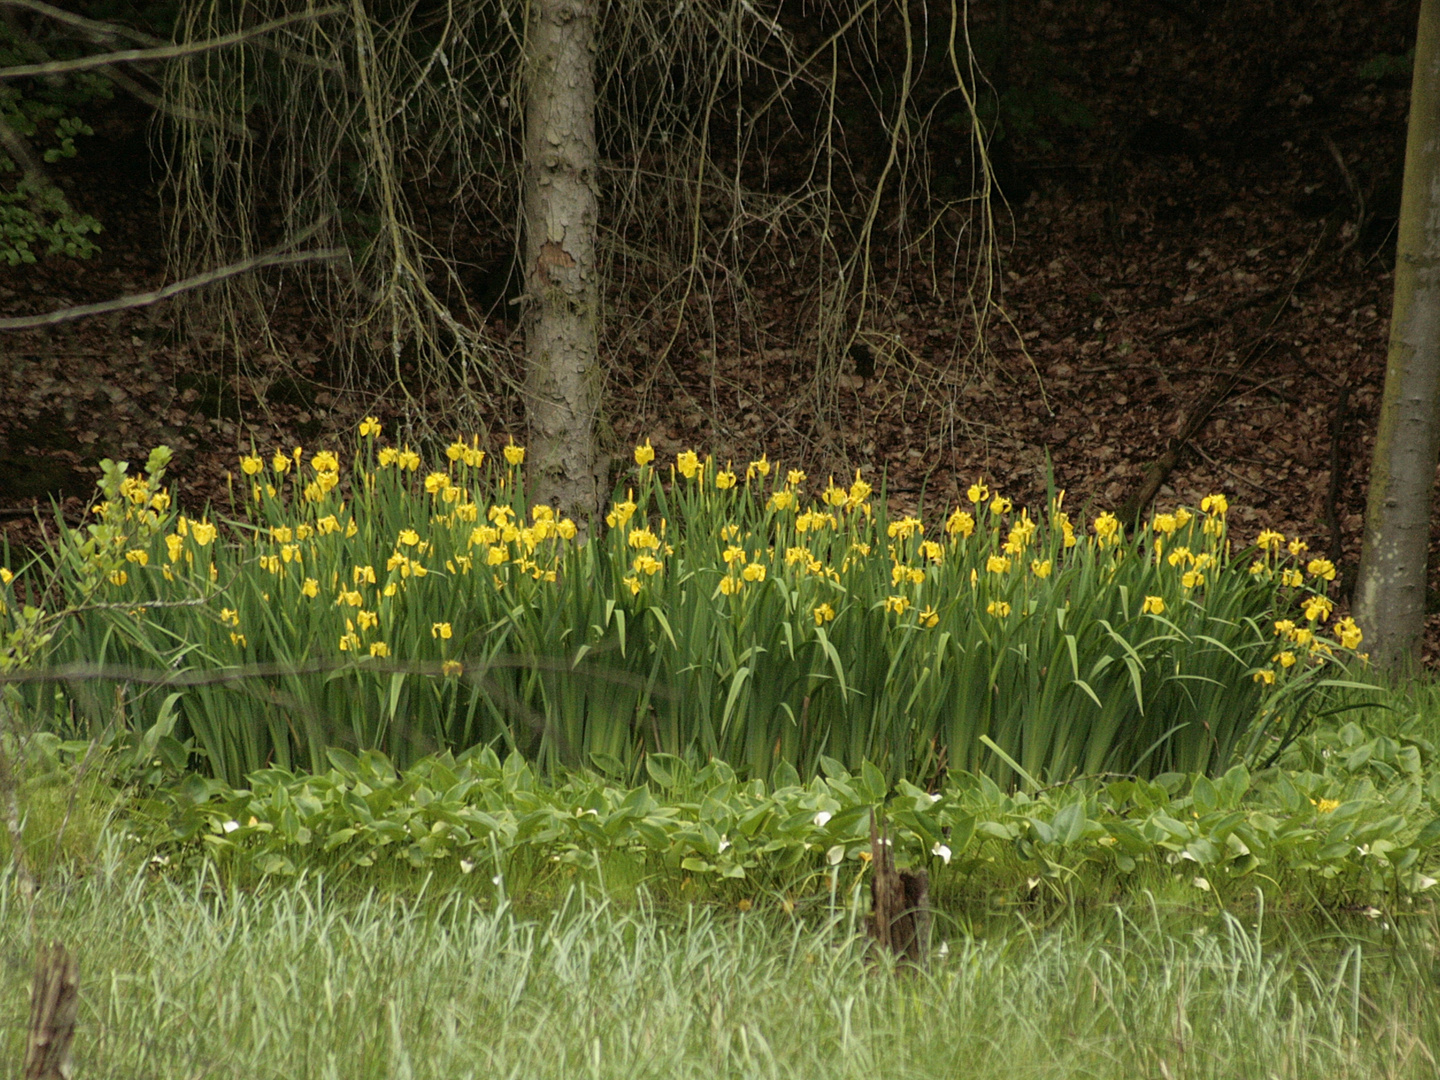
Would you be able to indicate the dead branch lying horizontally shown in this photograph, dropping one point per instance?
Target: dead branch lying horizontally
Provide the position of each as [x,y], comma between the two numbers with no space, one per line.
[27,322]
[470,669]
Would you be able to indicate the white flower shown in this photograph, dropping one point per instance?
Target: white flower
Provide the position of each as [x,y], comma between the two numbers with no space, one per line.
[466,865]
[835,854]
[935,797]
[724,842]
[822,817]
[497,880]
[942,851]
[230,826]
[1201,884]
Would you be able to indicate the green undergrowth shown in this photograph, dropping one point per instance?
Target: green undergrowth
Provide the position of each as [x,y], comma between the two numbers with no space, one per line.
[1350,816]
[186,975]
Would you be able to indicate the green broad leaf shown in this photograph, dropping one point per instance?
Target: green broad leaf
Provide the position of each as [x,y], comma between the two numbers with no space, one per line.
[274,863]
[962,832]
[750,823]
[1232,786]
[1429,835]
[197,790]
[833,769]
[853,821]
[653,832]
[637,803]
[873,782]
[659,772]
[696,866]
[1204,795]
[1202,851]
[1069,824]
[1042,831]
[343,761]
[338,837]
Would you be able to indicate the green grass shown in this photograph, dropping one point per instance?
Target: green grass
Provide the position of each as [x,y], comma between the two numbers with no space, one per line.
[192,978]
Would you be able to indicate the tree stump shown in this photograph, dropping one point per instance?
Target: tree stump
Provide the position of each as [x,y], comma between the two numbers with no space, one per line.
[54,1003]
[899,901]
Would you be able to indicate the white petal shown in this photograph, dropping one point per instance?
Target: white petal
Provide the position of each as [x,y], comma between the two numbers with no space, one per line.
[835,854]
[230,826]
[942,850]
[466,865]
[822,817]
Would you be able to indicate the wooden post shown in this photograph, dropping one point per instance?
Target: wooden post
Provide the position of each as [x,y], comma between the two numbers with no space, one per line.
[899,901]
[54,1003]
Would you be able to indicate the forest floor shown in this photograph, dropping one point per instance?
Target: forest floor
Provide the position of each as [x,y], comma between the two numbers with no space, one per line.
[1226,223]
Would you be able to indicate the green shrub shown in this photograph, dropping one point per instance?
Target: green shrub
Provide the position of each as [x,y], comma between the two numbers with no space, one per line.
[1363,826]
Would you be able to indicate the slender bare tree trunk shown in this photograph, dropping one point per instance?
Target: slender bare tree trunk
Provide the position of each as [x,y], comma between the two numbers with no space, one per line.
[1390,591]
[562,292]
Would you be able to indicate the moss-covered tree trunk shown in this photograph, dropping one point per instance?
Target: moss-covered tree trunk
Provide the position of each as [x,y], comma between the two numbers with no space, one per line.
[1390,591]
[561,289]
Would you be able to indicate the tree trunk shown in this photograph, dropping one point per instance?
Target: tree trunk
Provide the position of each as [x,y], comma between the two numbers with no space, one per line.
[1390,590]
[561,289]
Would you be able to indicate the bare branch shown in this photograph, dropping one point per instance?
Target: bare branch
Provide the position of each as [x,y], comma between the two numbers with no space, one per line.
[90,26]
[27,322]
[472,668]
[163,52]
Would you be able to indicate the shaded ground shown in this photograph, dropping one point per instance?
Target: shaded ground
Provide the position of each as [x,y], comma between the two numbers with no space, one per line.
[1227,221]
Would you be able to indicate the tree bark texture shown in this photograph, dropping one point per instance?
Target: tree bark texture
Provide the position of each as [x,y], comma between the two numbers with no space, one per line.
[561,288]
[54,1004]
[1390,589]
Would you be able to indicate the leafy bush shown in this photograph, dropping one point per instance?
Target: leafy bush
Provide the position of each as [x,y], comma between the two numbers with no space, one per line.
[1337,833]
[721,612]
[36,219]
